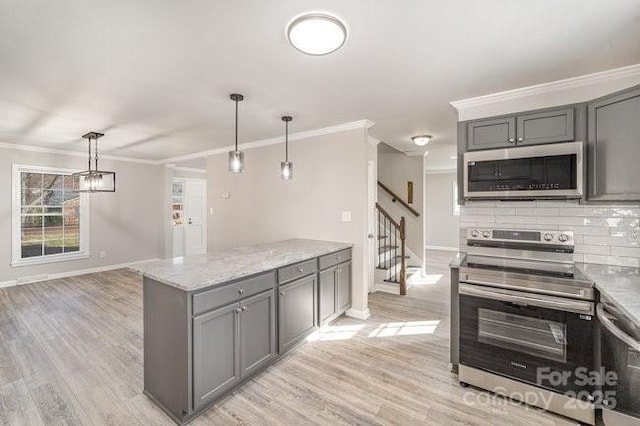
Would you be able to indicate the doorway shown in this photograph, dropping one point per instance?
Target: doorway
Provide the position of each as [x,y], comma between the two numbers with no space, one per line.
[189,216]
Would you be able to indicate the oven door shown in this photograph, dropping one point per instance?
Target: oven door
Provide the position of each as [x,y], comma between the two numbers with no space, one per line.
[541,340]
[620,349]
[544,171]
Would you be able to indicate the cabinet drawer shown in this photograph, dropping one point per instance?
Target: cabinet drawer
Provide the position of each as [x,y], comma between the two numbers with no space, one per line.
[298,270]
[328,260]
[232,292]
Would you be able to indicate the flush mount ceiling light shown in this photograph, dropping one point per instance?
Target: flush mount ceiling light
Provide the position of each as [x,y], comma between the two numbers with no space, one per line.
[317,33]
[236,158]
[94,179]
[286,166]
[421,140]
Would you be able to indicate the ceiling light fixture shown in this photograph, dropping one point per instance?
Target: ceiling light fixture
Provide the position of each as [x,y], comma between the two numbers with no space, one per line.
[421,140]
[317,33]
[236,158]
[94,180]
[286,166]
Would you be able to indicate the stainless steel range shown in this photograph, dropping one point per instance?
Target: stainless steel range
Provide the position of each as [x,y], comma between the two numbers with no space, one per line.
[527,320]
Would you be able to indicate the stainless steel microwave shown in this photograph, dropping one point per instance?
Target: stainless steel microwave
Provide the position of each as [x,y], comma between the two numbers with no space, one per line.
[528,172]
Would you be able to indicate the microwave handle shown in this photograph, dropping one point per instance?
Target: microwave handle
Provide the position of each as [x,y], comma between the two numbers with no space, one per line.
[611,327]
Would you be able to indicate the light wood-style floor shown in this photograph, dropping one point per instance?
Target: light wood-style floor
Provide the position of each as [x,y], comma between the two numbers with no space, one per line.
[71,353]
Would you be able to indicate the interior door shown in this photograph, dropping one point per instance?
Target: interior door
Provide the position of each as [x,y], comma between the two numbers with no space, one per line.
[195,225]
[372,195]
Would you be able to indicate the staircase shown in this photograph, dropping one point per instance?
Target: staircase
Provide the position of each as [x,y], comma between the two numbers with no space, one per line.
[392,249]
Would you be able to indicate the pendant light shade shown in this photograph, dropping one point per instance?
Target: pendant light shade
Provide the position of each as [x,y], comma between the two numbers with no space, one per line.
[94,179]
[236,158]
[286,166]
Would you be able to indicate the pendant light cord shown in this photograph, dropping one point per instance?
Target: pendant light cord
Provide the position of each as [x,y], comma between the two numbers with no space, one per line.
[89,140]
[236,124]
[96,139]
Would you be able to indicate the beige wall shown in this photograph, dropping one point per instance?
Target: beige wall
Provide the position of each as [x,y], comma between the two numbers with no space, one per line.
[395,169]
[442,227]
[127,224]
[330,176]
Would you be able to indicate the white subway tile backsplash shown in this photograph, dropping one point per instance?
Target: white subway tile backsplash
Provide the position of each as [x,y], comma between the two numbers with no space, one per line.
[600,231]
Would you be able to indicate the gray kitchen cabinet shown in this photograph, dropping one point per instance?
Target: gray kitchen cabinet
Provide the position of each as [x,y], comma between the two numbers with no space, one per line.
[531,128]
[335,291]
[327,294]
[215,353]
[493,133]
[614,147]
[257,332]
[297,304]
[546,127]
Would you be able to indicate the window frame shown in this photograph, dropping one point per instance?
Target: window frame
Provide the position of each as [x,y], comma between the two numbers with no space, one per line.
[16,220]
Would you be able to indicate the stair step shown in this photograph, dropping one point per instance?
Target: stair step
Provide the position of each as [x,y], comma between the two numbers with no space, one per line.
[385,249]
[382,237]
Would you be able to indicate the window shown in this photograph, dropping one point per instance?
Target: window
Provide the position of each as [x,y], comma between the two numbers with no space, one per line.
[50,221]
[456,206]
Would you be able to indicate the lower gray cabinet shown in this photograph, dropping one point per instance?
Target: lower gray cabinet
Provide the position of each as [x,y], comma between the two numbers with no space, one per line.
[257,332]
[297,302]
[215,353]
[335,291]
[231,343]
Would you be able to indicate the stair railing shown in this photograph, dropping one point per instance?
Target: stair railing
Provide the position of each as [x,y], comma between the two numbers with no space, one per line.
[395,197]
[392,248]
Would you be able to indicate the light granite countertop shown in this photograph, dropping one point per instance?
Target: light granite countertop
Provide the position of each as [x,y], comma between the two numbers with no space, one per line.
[456,261]
[618,284]
[199,271]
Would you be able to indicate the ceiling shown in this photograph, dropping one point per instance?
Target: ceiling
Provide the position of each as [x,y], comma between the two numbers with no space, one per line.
[155,75]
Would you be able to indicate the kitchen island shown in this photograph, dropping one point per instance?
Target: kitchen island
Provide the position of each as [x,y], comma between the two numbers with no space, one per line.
[213,321]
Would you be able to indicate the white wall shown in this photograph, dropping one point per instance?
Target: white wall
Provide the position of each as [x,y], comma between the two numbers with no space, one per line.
[330,176]
[442,226]
[127,224]
[395,169]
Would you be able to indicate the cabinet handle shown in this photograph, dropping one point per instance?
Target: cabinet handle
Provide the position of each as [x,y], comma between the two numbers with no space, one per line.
[282,293]
[511,140]
[338,257]
[301,270]
[244,309]
[238,310]
[520,139]
[241,290]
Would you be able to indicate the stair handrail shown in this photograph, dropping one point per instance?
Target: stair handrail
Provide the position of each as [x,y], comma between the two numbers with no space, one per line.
[395,197]
[401,231]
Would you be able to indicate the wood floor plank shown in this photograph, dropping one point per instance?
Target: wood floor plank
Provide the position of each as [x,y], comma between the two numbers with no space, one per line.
[16,405]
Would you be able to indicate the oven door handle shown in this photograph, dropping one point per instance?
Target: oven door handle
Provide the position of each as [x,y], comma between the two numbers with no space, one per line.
[541,301]
[611,327]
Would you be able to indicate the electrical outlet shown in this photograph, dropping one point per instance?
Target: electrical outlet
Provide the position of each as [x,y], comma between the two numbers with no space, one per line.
[103,254]
[632,234]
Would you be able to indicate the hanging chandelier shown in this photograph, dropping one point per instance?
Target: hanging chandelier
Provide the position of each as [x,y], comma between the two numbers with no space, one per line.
[286,166]
[94,179]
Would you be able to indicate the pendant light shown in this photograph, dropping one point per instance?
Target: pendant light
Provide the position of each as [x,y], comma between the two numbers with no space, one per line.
[94,179]
[286,166]
[236,158]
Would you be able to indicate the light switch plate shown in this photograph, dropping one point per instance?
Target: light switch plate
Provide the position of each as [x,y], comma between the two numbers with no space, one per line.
[346,216]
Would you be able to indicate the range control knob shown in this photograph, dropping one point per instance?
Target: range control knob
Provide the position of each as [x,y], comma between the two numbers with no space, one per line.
[486,234]
[548,237]
[475,233]
[563,238]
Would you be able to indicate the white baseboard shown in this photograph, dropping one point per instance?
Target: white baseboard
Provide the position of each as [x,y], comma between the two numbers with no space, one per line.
[359,314]
[47,277]
[442,248]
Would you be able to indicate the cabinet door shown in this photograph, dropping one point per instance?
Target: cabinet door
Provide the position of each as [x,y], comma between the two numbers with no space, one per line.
[343,287]
[546,127]
[614,147]
[297,311]
[215,353]
[494,133]
[327,294]
[257,332]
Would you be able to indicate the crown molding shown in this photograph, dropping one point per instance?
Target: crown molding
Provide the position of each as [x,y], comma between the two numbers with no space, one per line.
[360,124]
[553,86]
[43,150]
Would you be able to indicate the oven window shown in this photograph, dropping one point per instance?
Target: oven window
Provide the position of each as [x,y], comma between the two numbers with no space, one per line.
[538,337]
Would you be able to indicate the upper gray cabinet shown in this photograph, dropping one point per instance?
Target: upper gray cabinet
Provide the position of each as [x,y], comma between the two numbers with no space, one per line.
[614,147]
[494,133]
[548,126]
[545,127]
